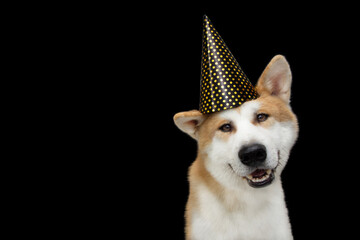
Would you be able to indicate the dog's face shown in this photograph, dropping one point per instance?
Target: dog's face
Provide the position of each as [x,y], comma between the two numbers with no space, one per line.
[251,143]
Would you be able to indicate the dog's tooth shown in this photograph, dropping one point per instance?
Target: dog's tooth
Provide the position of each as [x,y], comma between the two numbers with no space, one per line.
[260,179]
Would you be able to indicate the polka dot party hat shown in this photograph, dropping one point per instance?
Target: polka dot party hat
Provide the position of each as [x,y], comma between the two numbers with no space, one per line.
[224,85]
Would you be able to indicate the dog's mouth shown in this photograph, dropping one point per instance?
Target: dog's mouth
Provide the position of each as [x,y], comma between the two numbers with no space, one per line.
[260,178]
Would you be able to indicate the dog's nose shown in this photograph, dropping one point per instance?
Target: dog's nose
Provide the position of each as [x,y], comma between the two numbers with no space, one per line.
[253,155]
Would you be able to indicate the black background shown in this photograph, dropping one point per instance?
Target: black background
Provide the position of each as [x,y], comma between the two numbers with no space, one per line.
[319,42]
[147,59]
[102,82]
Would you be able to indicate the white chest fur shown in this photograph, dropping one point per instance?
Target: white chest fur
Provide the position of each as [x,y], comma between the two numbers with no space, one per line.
[253,214]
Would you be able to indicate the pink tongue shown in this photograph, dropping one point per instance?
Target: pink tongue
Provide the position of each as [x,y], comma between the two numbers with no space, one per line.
[258,173]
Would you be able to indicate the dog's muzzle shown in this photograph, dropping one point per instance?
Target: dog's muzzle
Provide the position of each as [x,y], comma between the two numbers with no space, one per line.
[254,156]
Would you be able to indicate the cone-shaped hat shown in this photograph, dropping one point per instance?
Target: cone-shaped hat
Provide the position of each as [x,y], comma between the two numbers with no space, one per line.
[224,85]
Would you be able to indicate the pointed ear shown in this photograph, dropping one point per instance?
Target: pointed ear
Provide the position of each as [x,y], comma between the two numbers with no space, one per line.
[189,121]
[276,79]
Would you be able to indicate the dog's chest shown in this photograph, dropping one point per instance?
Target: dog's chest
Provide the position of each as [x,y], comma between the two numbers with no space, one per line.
[238,220]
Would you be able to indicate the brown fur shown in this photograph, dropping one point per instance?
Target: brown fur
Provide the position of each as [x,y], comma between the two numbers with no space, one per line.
[274,102]
[209,128]
[276,108]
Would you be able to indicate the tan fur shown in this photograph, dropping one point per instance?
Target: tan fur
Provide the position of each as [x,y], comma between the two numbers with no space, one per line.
[265,84]
[209,128]
[273,101]
[272,105]
[189,121]
[276,108]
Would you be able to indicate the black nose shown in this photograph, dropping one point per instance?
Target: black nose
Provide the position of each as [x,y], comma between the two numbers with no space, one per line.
[253,155]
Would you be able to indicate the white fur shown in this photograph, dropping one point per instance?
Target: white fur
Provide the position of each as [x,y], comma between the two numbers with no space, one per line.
[237,211]
[254,213]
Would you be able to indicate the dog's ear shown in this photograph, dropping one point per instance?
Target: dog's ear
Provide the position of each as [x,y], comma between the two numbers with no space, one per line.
[276,79]
[189,121]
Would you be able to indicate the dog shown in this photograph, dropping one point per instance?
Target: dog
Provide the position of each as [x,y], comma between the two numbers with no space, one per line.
[235,188]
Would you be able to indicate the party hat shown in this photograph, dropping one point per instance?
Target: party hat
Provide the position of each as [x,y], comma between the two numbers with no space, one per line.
[224,85]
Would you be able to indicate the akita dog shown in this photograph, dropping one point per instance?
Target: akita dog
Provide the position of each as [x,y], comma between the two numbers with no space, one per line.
[235,185]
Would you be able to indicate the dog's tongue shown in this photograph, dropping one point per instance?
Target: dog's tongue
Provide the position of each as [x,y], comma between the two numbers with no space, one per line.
[258,173]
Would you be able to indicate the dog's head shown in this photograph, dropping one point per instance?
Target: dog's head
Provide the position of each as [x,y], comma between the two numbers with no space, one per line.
[250,143]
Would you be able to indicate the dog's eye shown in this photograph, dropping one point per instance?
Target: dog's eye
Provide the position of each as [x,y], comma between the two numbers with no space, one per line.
[226,127]
[261,117]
